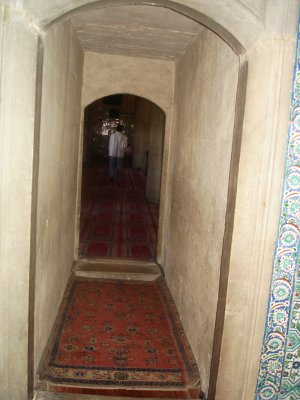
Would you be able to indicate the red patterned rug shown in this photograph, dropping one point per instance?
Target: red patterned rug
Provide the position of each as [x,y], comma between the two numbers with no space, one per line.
[117,221]
[117,333]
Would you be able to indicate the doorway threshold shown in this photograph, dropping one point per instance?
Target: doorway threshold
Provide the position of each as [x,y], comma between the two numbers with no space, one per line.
[44,395]
[117,268]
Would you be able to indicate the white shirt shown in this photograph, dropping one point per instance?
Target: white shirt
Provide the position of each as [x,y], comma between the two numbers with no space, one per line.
[117,144]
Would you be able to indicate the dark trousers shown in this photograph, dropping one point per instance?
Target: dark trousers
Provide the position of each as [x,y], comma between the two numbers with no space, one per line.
[115,166]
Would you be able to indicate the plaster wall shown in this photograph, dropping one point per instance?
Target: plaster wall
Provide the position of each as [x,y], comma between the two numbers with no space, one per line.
[151,79]
[17,110]
[106,74]
[148,137]
[259,188]
[142,130]
[206,83]
[58,166]
[155,155]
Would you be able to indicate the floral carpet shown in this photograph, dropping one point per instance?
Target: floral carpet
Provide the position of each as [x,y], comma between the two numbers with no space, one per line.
[117,333]
[117,221]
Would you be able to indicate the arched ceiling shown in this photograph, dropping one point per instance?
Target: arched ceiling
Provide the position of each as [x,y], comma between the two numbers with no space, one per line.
[136,30]
[239,22]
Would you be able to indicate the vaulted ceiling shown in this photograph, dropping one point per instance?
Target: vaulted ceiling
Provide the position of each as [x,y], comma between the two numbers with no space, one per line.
[136,30]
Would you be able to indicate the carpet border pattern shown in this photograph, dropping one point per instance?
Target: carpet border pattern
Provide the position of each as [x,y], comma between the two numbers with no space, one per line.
[128,377]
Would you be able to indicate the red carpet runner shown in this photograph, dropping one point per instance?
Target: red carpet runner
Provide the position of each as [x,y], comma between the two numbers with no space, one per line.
[122,334]
[117,221]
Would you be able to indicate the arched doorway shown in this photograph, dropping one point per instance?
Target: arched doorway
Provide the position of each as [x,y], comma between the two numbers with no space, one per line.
[120,220]
[270,63]
[200,163]
[235,153]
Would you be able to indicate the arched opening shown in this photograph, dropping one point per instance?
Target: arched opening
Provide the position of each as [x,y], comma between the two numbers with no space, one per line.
[190,179]
[119,219]
[255,24]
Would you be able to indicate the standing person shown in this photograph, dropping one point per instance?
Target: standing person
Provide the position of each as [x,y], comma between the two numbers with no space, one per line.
[116,149]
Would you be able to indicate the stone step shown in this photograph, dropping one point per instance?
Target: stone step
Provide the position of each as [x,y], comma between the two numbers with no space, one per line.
[44,395]
[117,269]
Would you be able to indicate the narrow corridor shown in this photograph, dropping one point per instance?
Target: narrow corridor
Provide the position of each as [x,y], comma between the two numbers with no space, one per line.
[220,73]
[116,221]
[118,332]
